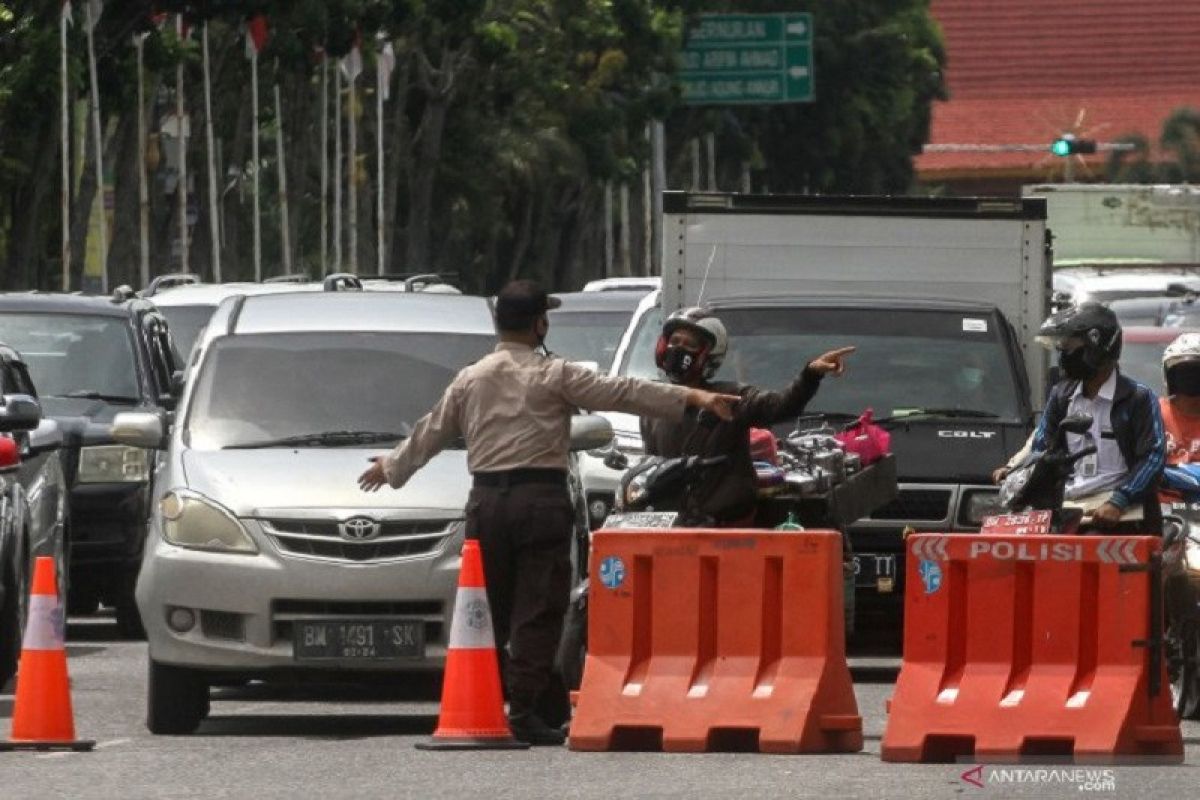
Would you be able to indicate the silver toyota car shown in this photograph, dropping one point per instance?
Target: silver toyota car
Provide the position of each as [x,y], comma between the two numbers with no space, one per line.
[264,558]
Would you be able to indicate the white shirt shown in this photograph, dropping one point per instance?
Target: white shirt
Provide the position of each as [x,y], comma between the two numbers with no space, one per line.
[1106,469]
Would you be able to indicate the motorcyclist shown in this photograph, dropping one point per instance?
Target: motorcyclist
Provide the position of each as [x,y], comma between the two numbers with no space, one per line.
[1181,417]
[1121,479]
[690,350]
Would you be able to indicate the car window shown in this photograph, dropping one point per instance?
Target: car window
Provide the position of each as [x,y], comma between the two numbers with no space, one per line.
[22,383]
[186,323]
[163,360]
[258,387]
[75,354]
[905,359]
[587,335]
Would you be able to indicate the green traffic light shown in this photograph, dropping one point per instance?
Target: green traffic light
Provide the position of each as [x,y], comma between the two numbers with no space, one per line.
[1061,147]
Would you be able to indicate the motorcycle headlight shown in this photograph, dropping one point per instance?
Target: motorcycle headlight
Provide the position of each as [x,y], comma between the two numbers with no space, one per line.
[977,505]
[113,463]
[190,520]
[635,490]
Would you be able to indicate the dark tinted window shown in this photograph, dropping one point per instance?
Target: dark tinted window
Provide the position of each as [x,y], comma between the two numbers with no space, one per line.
[75,353]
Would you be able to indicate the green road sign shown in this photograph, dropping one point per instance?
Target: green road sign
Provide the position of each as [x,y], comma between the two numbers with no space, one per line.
[741,59]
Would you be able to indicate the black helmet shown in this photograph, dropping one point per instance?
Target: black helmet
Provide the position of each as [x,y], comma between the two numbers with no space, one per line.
[1090,325]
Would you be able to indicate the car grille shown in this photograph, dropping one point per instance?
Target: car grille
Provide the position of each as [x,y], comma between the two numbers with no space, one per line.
[223,625]
[285,612]
[931,505]
[322,539]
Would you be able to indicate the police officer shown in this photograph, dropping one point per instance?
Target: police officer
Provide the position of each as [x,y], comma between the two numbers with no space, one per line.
[514,409]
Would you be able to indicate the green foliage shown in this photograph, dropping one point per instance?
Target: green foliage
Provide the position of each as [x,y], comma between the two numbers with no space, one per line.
[1178,158]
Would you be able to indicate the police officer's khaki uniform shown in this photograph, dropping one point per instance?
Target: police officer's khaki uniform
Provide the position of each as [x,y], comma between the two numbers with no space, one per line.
[514,408]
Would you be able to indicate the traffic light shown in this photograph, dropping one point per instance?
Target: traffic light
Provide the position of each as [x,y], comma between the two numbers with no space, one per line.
[1068,145]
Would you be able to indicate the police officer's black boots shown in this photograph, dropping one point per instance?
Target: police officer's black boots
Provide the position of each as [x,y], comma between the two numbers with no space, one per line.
[532,729]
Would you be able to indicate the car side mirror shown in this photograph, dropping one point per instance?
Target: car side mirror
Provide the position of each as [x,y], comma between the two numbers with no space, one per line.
[46,438]
[589,432]
[140,429]
[19,412]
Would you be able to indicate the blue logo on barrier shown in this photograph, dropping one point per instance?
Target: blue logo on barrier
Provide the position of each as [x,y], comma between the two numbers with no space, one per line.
[612,572]
[931,576]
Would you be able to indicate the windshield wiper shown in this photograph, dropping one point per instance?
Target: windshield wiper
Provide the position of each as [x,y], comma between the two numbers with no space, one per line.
[90,394]
[952,413]
[324,439]
[845,416]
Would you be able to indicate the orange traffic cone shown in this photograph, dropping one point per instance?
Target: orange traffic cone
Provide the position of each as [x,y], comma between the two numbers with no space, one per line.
[472,712]
[42,716]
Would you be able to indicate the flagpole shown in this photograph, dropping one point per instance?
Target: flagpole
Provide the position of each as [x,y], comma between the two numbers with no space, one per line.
[324,162]
[352,176]
[257,163]
[96,133]
[283,197]
[380,89]
[337,170]
[139,43]
[66,155]
[214,219]
[180,114]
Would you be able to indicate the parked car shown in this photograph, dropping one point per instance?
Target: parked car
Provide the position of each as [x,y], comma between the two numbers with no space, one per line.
[90,358]
[33,506]
[265,559]
[588,325]
[1104,284]
[641,284]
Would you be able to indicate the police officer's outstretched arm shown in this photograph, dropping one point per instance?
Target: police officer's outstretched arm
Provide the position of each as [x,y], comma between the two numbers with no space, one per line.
[583,388]
[432,434]
[765,408]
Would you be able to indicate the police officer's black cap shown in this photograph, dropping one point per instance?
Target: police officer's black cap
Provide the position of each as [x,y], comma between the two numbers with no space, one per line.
[524,298]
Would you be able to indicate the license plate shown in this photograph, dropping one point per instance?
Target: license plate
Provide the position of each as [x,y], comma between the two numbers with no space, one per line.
[1031,522]
[316,640]
[641,519]
[869,568]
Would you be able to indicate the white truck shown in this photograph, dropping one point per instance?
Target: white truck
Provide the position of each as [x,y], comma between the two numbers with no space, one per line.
[943,298]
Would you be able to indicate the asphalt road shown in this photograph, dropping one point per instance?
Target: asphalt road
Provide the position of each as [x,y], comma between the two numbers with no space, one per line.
[289,743]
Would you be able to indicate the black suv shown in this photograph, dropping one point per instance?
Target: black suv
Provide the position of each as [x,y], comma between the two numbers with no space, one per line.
[91,358]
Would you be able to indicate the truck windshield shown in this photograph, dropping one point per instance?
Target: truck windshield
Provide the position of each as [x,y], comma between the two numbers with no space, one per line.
[325,388]
[906,360]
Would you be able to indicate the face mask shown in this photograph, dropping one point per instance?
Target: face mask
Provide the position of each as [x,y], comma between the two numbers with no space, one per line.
[969,379]
[678,363]
[1184,380]
[1074,365]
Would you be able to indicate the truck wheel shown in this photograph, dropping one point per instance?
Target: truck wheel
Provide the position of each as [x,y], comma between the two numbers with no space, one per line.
[11,620]
[176,699]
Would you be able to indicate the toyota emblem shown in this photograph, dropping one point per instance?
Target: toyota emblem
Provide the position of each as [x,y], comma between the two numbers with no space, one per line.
[359,529]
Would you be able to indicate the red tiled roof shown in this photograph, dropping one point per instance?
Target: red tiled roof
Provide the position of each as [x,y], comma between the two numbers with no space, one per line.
[1024,71]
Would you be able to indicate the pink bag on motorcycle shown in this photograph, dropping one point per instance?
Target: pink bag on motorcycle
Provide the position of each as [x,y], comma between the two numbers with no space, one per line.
[865,438]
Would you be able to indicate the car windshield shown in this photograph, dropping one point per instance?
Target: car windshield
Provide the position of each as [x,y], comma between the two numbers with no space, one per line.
[906,360]
[587,335]
[1142,361]
[186,323]
[75,354]
[259,389]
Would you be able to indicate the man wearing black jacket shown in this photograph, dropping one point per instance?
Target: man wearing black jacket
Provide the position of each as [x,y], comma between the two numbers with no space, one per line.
[1127,426]
[690,351]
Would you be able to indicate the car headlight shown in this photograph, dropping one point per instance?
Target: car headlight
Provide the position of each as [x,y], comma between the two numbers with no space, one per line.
[190,520]
[113,463]
[977,505]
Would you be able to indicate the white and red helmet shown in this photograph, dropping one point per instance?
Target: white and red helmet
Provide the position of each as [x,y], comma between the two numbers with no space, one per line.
[712,333]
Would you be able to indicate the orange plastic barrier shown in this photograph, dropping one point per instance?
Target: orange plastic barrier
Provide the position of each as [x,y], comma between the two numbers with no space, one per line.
[716,640]
[1031,646]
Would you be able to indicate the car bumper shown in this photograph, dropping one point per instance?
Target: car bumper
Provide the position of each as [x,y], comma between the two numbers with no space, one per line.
[245,606]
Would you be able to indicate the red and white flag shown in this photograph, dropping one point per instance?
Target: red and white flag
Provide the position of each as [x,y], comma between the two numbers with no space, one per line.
[257,34]
[352,63]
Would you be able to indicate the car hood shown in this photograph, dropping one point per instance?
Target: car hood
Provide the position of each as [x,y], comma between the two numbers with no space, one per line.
[249,482]
[85,421]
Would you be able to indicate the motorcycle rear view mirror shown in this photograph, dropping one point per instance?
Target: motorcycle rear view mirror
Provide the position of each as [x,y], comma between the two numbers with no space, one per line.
[616,460]
[1078,424]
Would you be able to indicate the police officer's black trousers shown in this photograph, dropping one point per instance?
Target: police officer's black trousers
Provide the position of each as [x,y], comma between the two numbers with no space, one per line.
[524,533]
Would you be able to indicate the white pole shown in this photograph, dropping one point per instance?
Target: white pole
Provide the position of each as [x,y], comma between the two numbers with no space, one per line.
[285,238]
[257,162]
[337,170]
[324,163]
[658,186]
[139,41]
[352,175]
[66,158]
[96,133]
[180,111]
[214,221]
[626,259]
[608,228]
[379,168]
